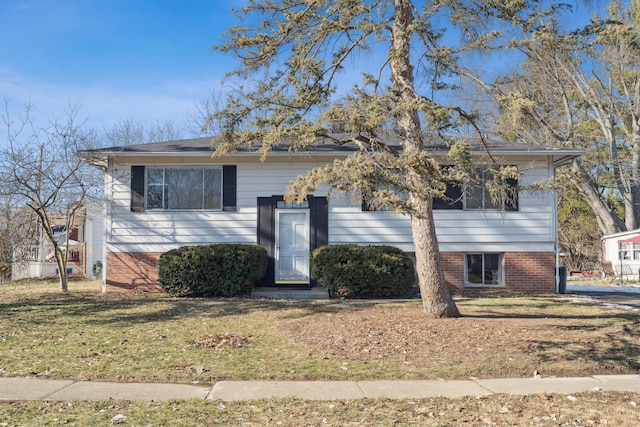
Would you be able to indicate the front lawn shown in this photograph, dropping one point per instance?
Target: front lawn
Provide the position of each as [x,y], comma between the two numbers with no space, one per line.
[87,335]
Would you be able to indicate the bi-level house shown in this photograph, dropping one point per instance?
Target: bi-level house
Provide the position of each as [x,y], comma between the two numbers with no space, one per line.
[165,195]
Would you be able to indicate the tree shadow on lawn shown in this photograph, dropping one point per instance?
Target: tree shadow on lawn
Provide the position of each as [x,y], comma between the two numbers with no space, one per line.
[609,338]
[494,314]
[308,309]
[606,337]
[613,351]
[540,308]
[150,307]
[124,309]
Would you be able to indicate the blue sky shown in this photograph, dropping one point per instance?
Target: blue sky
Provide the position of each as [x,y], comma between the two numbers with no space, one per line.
[119,59]
[145,60]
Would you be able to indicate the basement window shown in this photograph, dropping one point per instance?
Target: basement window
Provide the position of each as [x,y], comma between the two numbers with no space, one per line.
[484,269]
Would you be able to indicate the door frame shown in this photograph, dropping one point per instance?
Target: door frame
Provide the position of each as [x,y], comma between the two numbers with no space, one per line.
[318,231]
[278,230]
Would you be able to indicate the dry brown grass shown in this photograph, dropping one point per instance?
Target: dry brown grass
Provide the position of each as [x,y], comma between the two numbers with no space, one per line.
[584,409]
[88,335]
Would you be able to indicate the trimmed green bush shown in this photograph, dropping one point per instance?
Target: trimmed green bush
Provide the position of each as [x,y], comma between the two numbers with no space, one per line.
[353,271]
[221,270]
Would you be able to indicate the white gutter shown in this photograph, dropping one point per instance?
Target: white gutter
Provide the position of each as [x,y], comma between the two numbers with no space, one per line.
[566,157]
[556,238]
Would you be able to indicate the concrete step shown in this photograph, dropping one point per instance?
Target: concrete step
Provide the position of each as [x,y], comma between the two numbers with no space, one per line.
[315,293]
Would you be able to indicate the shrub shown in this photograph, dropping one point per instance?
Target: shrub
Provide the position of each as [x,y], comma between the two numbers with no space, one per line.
[211,270]
[353,271]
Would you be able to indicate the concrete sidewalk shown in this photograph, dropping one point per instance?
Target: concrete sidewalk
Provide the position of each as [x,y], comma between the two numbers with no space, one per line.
[14,389]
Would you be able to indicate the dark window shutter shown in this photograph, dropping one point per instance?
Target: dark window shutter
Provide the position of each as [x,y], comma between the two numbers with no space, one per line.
[512,201]
[319,226]
[229,188]
[137,188]
[452,198]
[365,206]
[266,236]
[321,221]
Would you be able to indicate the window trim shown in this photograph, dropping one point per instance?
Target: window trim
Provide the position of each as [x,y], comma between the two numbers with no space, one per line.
[456,196]
[629,251]
[501,273]
[282,204]
[507,205]
[164,186]
[139,184]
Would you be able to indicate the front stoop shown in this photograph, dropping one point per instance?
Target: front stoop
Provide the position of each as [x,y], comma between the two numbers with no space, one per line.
[315,293]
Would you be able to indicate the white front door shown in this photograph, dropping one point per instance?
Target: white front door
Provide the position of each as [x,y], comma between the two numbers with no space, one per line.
[292,246]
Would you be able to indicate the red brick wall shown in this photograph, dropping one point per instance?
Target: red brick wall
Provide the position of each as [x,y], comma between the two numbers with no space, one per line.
[530,271]
[523,272]
[453,266]
[133,271]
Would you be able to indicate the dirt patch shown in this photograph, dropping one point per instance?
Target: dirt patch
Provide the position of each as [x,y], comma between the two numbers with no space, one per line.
[481,344]
[221,341]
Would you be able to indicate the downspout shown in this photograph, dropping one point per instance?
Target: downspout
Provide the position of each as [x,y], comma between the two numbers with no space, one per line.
[556,238]
[106,220]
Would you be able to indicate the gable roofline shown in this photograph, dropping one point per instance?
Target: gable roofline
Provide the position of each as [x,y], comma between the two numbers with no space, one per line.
[621,234]
[325,146]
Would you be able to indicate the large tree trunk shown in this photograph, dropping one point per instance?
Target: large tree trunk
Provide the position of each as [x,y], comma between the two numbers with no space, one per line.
[628,190]
[635,179]
[607,220]
[436,299]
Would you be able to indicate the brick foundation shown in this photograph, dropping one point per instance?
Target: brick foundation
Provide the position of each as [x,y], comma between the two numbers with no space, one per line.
[523,272]
[133,271]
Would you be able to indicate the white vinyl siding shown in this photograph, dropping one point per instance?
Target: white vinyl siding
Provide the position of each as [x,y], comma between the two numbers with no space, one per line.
[159,231]
[531,228]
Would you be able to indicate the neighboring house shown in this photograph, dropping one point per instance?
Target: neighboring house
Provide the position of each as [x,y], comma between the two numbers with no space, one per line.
[165,195]
[622,250]
[37,259]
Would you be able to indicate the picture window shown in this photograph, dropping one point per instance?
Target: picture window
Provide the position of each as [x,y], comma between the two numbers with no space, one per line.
[177,188]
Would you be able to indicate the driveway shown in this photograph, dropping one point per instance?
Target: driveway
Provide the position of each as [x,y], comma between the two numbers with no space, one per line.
[620,296]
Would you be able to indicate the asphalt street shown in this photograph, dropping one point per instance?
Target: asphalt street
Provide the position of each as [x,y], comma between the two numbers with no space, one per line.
[624,296]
